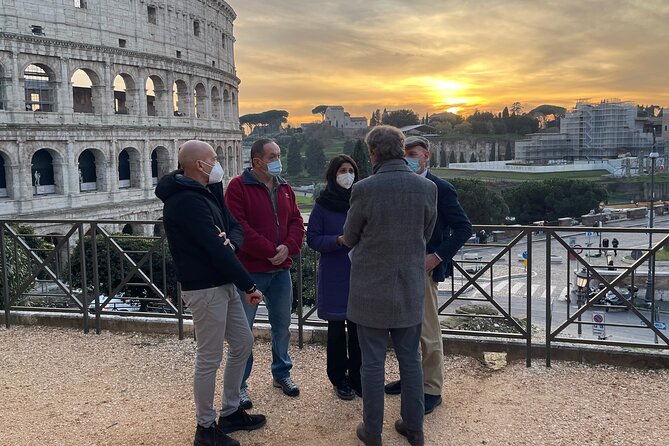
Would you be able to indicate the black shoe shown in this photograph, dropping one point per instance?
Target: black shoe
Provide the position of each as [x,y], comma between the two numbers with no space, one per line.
[431,402]
[240,421]
[369,440]
[344,391]
[244,399]
[211,436]
[393,387]
[358,391]
[415,438]
[287,385]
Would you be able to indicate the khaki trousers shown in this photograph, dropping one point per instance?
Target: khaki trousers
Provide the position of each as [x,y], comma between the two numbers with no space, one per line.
[431,343]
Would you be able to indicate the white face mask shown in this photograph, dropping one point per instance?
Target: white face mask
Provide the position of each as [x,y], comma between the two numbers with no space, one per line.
[345,180]
[216,174]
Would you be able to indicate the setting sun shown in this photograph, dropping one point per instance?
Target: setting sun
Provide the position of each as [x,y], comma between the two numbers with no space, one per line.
[453,110]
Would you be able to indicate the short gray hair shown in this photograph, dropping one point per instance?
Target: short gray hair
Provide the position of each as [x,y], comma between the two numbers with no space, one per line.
[386,141]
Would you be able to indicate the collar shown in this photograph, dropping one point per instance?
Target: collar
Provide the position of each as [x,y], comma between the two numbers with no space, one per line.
[248,177]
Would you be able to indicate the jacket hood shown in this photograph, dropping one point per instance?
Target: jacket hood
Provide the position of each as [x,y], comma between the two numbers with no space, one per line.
[175,182]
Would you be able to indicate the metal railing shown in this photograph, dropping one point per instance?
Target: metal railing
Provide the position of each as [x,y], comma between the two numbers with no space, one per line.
[519,287]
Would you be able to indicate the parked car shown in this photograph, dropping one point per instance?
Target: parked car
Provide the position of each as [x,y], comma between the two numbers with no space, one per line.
[118,303]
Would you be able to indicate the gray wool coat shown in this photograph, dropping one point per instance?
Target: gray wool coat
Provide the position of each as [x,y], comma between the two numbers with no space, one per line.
[391,217]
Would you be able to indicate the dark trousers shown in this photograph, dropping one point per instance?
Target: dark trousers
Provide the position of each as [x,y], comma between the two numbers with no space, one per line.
[343,352]
[373,345]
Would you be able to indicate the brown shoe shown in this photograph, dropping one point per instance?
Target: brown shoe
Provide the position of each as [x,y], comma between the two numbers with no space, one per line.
[415,438]
[368,439]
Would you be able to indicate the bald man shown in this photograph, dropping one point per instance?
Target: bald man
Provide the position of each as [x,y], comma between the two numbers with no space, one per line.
[203,238]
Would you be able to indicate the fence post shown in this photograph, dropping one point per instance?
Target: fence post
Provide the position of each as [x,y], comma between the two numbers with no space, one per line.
[5,277]
[300,302]
[528,328]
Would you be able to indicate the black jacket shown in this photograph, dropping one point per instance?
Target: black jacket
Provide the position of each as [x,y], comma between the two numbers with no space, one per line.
[192,216]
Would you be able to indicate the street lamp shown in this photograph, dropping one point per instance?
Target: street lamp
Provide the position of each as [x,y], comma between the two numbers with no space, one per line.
[582,284]
[651,259]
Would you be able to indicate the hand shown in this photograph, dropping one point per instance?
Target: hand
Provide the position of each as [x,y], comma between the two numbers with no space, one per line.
[281,255]
[255,297]
[431,262]
[341,241]
[226,241]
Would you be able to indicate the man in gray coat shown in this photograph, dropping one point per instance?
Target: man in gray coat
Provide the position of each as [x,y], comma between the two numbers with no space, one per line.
[391,217]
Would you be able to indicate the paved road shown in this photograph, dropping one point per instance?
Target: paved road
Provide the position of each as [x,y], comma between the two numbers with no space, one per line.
[513,291]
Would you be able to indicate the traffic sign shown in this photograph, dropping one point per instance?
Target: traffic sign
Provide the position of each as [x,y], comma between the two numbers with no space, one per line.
[598,328]
[524,254]
[589,234]
[578,249]
[658,325]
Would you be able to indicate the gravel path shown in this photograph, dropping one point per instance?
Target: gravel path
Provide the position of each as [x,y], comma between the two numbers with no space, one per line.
[61,387]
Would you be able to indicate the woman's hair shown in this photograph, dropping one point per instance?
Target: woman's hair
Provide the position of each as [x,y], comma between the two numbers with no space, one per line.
[333,167]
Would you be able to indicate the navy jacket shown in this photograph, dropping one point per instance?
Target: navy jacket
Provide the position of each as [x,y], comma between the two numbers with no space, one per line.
[334,268]
[193,215]
[452,230]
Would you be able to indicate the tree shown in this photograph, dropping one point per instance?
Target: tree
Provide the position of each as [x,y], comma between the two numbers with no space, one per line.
[451,158]
[462,157]
[361,158]
[372,121]
[553,199]
[349,145]
[505,113]
[472,159]
[19,263]
[507,153]
[464,128]
[272,119]
[492,153]
[517,109]
[315,158]
[443,159]
[250,121]
[401,118]
[115,269]
[384,116]
[294,159]
[482,205]
[321,109]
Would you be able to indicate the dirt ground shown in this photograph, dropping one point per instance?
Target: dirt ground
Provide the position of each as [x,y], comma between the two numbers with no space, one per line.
[61,387]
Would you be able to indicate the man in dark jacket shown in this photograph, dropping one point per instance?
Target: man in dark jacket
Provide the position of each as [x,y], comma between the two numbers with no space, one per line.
[203,237]
[266,208]
[452,230]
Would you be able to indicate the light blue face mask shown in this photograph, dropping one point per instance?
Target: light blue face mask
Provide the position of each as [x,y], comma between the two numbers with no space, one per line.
[274,168]
[414,164]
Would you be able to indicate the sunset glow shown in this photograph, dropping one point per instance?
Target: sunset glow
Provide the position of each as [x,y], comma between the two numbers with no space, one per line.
[468,56]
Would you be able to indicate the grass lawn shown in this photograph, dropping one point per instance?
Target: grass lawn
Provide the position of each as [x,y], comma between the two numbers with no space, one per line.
[305,203]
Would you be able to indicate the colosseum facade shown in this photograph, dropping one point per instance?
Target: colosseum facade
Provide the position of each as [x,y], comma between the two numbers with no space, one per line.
[97,95]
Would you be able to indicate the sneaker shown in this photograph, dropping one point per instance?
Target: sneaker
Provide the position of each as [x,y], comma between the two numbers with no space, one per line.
[211,436]
[431,402]
[244,399]
[287,385]
[367,439]
[240,420]
[344,391]
[393,387]
[415,438]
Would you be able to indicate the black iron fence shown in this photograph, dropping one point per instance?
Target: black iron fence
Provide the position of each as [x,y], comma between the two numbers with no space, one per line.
[579,285]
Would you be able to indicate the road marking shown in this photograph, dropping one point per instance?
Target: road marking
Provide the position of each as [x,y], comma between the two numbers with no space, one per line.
[516,287]
[500,286]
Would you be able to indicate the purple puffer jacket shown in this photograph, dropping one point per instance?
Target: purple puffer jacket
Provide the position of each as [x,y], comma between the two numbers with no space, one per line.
[334,267]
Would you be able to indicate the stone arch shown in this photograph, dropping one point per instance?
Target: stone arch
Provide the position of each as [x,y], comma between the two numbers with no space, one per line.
[227,107]
[160,163]
[46,172]
[233,102]
[40,85]
[199,100]
[5,176]
[215,103]
[155,96]
[87,91]
[91,170]
[180,98]
[125,95]
[230,165]
[129,168]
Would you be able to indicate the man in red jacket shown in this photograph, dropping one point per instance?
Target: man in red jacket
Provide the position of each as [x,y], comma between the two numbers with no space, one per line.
[265,206]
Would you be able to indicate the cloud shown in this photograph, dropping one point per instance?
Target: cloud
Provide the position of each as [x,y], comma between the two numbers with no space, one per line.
[375,54]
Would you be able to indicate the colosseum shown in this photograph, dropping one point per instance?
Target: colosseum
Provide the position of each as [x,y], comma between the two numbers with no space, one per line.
[97,95]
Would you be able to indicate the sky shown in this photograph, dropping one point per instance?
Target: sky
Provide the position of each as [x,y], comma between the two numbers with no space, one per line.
[432,56]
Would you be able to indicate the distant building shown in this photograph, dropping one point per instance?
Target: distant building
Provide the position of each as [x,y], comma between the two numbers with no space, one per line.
[338,118]
[419,130]
[591,132]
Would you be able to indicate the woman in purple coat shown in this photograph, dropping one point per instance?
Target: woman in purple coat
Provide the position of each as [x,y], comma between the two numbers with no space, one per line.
[324,234]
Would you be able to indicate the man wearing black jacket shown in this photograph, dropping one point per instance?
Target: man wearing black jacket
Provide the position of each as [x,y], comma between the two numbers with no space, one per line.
[203,237]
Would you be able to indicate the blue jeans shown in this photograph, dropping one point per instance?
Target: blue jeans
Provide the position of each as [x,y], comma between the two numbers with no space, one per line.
[278,290]
[373,346]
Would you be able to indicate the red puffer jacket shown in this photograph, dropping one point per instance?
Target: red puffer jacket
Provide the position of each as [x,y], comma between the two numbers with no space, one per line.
[250,203]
